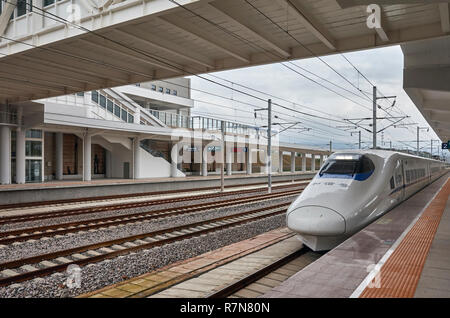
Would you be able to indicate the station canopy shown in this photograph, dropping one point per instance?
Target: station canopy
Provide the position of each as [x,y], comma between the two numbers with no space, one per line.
[136,41]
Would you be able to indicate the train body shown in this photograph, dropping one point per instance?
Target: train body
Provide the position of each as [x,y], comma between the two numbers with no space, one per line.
[354,188]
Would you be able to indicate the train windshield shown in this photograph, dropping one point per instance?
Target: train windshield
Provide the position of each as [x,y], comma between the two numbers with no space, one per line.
[349,166]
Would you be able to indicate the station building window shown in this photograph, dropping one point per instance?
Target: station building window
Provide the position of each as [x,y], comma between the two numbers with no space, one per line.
[117,110]
[33,170]
[167,90]
[124,115]
[33,155]
[160,89]
[94,96]
[130,118]
[22,7]
[33,148]
[34,133]
[80,94]
[174,92]
[153,87]
[110,105]
[48,2]
[103,101]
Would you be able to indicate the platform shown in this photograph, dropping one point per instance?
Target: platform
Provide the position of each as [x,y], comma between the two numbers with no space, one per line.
[403,254]
[61,190]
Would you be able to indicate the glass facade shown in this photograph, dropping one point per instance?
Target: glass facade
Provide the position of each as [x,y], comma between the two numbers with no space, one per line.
[34,133]
[94,96]
[33,155]
[33,170]
[110,106]
[33,148]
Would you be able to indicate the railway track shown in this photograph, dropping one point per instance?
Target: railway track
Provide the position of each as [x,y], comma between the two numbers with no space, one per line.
[45,264]
[33,233]
[105,208]
[122,196]
[283,267]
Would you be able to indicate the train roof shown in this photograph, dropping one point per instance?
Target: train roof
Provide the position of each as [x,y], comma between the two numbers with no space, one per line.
[385,153]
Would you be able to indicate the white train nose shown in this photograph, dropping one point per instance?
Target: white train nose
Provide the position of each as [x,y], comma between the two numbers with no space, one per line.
[316,220]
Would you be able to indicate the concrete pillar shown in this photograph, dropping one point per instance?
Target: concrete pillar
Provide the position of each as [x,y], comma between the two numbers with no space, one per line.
[20,156]
[249,161]
[313,162]
[59,165]
[108,163]
[174,162]
[321,161]
[5,155]
[229,161]
[87,142]
[292,161]
[136,158]
[205,161]
[303,162]
[280,160]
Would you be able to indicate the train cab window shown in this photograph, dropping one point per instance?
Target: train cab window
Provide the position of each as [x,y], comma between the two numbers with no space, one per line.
[392,183]
[349,166]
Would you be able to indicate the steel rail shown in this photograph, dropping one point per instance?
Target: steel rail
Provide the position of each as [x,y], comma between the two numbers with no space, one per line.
[131,195]
[85,225]
[279,209]
[87,210]
[253,277]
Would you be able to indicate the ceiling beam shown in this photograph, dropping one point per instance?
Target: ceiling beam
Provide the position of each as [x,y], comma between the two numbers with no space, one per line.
[444,13]
[441,118]
[204,36]
[247,27]
[129,54]
[309,22]
[436,105]
[78,63]
[49,68]
[23,75]
[14,82]
[167,46]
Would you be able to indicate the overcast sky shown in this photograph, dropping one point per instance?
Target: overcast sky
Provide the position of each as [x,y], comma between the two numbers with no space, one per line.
[382,66]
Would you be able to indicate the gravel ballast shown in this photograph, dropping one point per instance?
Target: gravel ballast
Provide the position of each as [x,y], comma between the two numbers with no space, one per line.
[51,244]
[99,275]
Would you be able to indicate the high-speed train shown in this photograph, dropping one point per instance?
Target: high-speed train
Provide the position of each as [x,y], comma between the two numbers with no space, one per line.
[354,188]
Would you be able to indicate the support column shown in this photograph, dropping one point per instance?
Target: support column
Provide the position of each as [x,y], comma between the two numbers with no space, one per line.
[20,156]
[229,162]
[321,161]
[108,164]
[292,161]
[249,160]
[87,142]
[59,156]
[303,162]
[205,161]
[5,155]
[313,162]
[137,158]
[280,160]
[174,161]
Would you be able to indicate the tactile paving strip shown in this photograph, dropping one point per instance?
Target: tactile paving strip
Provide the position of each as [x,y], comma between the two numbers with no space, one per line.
[401,272]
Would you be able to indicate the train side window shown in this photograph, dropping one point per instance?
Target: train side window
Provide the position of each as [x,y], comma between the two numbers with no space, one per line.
[392,183]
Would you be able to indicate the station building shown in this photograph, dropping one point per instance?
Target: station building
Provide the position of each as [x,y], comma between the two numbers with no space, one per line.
[128,132]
